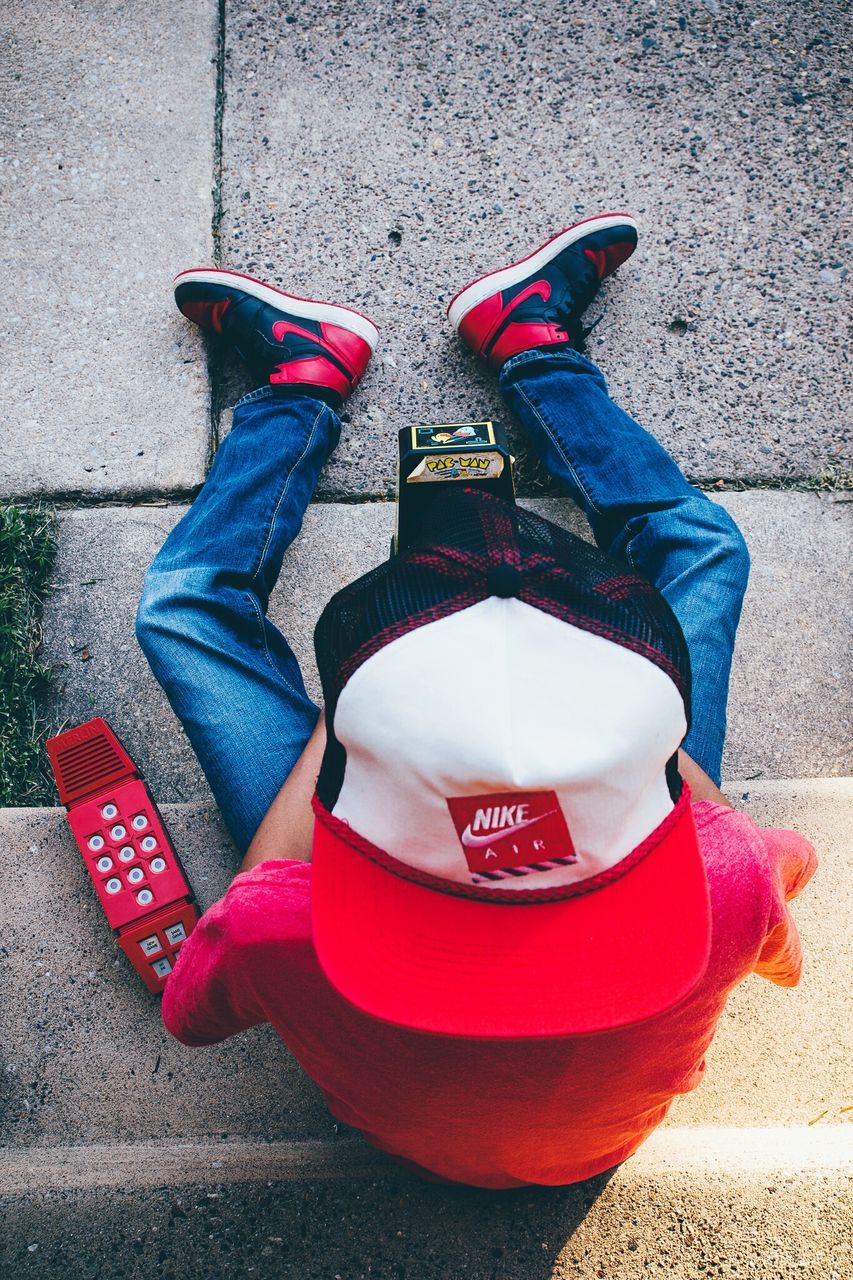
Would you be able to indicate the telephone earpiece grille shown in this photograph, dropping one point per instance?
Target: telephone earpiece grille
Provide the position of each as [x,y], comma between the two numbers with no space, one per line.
[87,759]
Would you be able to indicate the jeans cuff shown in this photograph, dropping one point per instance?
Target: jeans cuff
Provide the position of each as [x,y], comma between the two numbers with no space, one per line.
[563,355]
[284,392]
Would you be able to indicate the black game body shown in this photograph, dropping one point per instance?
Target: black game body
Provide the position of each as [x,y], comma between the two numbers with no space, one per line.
[433,456]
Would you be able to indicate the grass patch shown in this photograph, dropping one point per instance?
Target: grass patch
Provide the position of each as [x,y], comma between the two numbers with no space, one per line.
[27,554]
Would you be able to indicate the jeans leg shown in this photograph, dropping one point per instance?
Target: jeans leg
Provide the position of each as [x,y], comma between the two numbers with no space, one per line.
[229,674]
[642,510]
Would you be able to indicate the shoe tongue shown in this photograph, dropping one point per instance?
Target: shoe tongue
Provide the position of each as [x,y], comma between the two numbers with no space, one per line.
[575,294]
[244,325]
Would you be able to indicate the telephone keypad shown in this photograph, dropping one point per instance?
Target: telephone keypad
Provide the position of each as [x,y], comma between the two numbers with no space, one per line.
[139,855]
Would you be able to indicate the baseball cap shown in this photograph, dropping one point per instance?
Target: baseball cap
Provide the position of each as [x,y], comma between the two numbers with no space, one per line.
[503,846]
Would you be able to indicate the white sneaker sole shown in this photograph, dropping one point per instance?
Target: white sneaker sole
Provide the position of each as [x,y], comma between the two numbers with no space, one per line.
[322,312]
[473,294]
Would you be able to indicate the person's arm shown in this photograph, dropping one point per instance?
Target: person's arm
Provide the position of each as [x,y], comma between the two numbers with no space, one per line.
[701,786]
[793,862]
[287,830]
[208,998]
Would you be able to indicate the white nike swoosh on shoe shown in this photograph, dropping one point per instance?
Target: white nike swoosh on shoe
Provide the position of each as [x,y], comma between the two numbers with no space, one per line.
[478,842]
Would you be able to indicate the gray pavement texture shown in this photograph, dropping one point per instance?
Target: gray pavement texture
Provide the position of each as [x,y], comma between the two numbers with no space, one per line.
[790,703]
[384,155]
[393,1228]
[87,1059]
[106,127]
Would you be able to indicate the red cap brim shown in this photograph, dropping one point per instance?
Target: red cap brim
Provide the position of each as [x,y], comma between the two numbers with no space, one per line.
[431,961]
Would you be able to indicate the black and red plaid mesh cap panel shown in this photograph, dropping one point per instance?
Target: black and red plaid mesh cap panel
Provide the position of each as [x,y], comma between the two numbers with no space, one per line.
[474,545]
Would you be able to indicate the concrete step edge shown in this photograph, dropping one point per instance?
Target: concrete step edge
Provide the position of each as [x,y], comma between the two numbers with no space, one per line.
[797,1151]
[840,788]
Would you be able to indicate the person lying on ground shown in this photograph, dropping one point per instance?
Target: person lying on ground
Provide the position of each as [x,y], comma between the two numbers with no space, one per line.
[492,898]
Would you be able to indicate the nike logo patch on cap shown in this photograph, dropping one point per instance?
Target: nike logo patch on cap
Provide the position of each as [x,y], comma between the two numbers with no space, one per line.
[511,832]
[470,841]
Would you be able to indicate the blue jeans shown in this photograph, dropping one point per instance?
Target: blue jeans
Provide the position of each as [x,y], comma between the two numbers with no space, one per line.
[231,676]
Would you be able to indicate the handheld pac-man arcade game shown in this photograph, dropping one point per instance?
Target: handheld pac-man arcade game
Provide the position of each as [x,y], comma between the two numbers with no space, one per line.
[447,453]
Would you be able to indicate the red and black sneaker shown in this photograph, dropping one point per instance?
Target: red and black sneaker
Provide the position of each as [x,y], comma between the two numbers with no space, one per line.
[284,340]
[539,301]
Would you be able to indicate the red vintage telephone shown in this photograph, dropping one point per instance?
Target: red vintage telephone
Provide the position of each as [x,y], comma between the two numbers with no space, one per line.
[125,846]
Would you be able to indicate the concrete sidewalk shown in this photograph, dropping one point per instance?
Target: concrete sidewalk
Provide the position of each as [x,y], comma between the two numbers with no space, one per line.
[383,155]
[107,134]
[385,158]
[767,1226]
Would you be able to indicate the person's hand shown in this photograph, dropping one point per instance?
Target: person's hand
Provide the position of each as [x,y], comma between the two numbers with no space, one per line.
[287,830]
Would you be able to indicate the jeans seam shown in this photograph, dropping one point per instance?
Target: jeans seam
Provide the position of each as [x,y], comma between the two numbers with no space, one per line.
[259,393]
[253,604]
[558,447]
[283,495]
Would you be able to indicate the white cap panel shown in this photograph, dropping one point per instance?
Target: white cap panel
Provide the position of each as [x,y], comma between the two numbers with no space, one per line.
[503,697]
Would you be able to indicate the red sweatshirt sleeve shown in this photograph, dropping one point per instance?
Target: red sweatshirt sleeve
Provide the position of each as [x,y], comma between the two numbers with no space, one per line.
[793,862]
[206,998]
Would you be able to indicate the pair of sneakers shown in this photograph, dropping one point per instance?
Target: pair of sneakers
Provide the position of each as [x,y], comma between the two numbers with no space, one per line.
[324,349]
